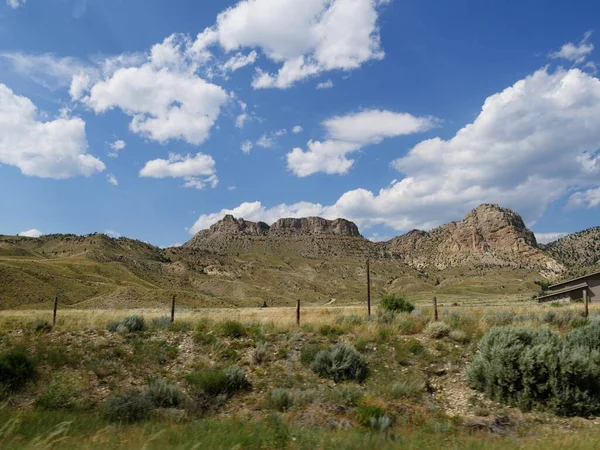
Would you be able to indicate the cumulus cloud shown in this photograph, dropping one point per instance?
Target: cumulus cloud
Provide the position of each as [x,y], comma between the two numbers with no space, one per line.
[49,149]
[306,38]
[325,85]
[47,69]
[265,141]
[14,4]
[545,238]
[34,233]
[531,144]
[112,179]
[297,129]
[585,199]
[576,53]
[239,60]
[246,147]
[112,233]
[164,96]
[198,170]
[116,147]
[348,134]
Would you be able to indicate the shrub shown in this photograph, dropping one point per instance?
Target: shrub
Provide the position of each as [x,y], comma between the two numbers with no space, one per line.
[331,331]
[537,368]
[437,330]
[410,324]
[365,414]
[215,382]
[396,303]
[128,407]
[161,323]
[233,329]
[16,369]
[408,388]
[164,394]
[352,319]
[341,362]
[134,323]
[61,394]
[309,353]
[260,353]
[42,326]
[280,399]
[459,336]
[345,395]
[113,325]
[499,318]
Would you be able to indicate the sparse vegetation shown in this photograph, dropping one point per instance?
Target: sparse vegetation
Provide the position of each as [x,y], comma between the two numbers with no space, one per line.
[396,303]
[16,369]
[127,407]
[437,330]
[532,368]
[341,362]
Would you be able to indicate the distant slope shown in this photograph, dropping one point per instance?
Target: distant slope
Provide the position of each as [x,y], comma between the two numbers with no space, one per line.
[488,235]
[577,250]
[240,263]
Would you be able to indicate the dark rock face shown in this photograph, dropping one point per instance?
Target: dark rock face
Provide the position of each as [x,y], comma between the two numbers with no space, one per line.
[231,225]
[314,226]
[306,226]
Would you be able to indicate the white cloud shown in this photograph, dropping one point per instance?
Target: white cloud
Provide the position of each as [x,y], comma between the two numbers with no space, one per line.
[112,233]
[34,233]
[306,38]
[246,147]
[586,199]
[198,171]
[376,237]
[350,133]
[164,96]
[112,179]
[265,141]
[14,4]
[47,69]
[241,119]
[545,238]
[531,144]
[576,53]
[238,61]
[116,147]
[231,188]
[325,85]
[49,149]
[297,129]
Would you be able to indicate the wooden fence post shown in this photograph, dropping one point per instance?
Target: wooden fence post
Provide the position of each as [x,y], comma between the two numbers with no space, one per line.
[298,312]
[435,309]
[586,301]
[368,288]
[173,309]
[55,308]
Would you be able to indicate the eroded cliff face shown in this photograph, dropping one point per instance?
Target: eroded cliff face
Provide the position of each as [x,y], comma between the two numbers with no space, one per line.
[487,235]
[308,237]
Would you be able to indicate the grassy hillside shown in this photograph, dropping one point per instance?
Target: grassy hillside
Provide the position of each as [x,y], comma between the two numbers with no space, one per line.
[98,272]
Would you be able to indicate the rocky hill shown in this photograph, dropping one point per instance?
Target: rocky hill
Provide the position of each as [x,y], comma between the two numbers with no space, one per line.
[241,263]
[488,235]
[310,237]
[578,249]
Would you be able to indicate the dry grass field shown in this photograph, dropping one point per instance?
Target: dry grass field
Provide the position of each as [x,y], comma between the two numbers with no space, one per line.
[413,393]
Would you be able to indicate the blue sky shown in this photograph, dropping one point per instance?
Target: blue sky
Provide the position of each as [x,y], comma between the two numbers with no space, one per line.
[153,119]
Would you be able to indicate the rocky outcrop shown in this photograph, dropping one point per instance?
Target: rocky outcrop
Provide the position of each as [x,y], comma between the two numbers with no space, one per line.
[581,249]
[489,235]
[231,225]
[314,226]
